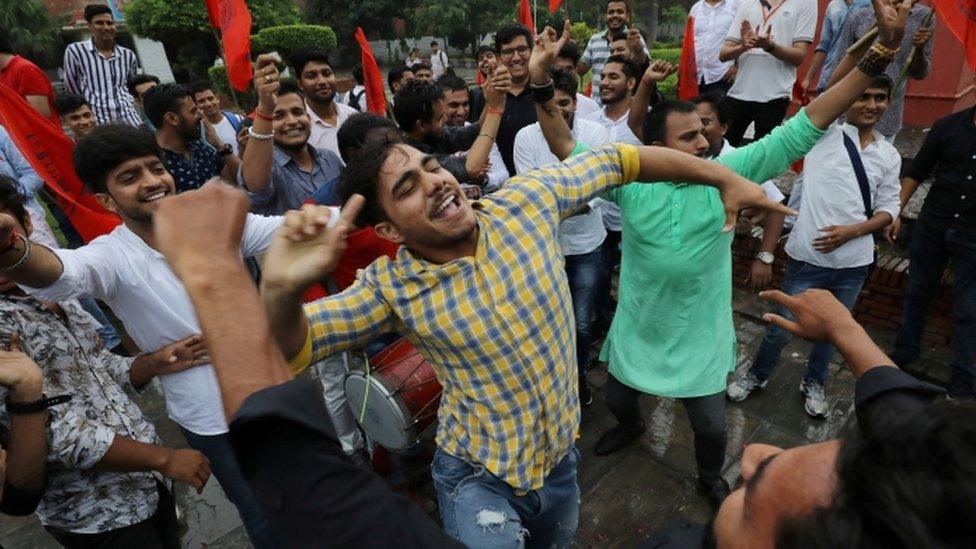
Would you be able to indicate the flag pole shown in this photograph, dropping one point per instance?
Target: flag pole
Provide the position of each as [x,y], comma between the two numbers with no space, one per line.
[223,57]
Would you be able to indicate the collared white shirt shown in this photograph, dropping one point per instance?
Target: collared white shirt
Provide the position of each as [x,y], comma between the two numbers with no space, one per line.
[620,132]
[831,196]
[439,63]
[137,283]
[587,107]
[711,26]
[582,233]
[325,135]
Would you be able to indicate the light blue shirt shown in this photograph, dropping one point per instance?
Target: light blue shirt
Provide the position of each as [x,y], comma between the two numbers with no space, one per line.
[834,19]
[14,165]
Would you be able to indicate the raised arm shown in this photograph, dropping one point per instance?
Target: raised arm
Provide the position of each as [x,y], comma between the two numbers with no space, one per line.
[35,265]
[496,92]
[256,160]
[554,127]
[656,72]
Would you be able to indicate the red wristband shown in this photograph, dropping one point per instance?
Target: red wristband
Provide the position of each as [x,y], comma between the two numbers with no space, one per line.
[493,110]
[262,116]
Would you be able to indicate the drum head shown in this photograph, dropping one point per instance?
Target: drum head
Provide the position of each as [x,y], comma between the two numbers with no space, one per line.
[384,419]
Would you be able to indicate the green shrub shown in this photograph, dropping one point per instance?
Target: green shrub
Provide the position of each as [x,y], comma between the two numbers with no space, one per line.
[286,39]
[221,86]
[581,33]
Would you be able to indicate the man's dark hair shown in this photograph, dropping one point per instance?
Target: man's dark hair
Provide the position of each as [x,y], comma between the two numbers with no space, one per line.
[629,68]
[619,35]
[5,45]
[565,81]
[624,2]
[422,65]
[91,10]
[12,198]
[139,80]
[882,81]
[299,59]
[655,126]
[395,74]
[354,132]
[162,99]
[357,74]
[510,32]
[909,482]
[452,82]
[67,103]
[433,43]
[570,51]
[108,146]
[483,49]
[289,86]
[415,103]
[718,103]
[362,176]
[198,86]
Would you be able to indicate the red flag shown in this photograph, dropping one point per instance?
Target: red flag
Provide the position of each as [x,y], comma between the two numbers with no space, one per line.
[525,15]
[48,150]
[554,5]
[373,79]
[234,23]
[687,69]
[960,17]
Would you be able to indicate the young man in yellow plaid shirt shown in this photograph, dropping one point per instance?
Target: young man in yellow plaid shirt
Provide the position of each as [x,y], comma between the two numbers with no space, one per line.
[480,290]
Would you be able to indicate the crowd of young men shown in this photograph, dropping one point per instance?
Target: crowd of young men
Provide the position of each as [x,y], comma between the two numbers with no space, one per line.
[485,228]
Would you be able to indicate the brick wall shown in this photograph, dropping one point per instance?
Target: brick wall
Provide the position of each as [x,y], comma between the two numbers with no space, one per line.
[880,302]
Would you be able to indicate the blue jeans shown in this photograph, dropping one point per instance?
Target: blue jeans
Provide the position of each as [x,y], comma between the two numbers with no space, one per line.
[799,276]
[108,333]
[224,466]
[583,272]
[930,252]
[482,511]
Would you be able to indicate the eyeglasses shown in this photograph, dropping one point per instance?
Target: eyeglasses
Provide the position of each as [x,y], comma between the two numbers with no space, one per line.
[521,50]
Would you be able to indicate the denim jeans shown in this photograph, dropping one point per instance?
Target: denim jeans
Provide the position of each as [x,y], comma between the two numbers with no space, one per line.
[224,466]
[583,272]
[605,305]
[482,511]
[930,252]
[800,276]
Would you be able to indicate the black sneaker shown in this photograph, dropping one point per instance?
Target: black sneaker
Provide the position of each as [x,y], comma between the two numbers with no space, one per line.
[585,393]
[715,491]
[617,438]
[960,388]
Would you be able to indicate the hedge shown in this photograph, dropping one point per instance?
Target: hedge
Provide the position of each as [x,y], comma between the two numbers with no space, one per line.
[286,39]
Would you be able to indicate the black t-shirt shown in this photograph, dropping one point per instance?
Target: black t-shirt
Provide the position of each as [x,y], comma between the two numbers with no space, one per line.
[519,113]
[309,490]
[949,156]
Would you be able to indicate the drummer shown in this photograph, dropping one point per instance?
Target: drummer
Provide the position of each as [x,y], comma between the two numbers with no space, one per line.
[480,290]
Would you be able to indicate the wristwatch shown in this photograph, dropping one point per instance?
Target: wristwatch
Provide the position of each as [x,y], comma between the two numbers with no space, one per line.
[766,257]
[225,150]
[17,408]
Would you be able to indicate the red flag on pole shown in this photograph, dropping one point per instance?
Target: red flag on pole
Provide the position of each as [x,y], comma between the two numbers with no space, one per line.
[372,78]
[48,150]
[687,69]
[234,22]
[554,5]
[960,17]
[525,15]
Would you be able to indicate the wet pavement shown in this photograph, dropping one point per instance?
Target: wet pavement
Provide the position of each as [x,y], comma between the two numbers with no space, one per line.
[625,496]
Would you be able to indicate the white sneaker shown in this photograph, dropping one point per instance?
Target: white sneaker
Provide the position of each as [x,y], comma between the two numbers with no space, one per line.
[816,398]
[739,389]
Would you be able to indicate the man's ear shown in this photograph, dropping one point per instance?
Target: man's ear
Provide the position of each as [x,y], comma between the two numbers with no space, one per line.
[387,230]
[107,202]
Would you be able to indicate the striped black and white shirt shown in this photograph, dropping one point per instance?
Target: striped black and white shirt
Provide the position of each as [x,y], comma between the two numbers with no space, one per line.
[102,81]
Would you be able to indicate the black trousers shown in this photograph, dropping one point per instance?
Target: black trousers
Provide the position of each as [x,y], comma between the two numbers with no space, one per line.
[160,531]
[766,116]
[719,87]
[707,415]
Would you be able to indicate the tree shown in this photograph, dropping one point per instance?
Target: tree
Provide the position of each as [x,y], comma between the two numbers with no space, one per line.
[374,16]
[32,29]
[462,21]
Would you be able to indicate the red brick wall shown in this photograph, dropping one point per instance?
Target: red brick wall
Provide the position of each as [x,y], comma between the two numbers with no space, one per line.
[880,301]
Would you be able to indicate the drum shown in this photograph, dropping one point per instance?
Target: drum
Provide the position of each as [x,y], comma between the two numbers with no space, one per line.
[401,395]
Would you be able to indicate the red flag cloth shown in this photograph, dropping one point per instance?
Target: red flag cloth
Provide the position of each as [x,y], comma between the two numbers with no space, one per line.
[234,22]
[372,78]
[960,17]
[48,150]
[554,5]
[525,15]
[213,12]
[687,69]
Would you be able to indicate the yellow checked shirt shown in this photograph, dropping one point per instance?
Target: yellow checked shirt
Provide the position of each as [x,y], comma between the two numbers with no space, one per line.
[497,328]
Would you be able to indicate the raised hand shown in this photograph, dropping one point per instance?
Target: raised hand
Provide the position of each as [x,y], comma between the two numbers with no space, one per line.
[267,81]
[891,21]
[765,41]
[180,355]
[818,315]
[739,193]
[658,70]
[308,246]
[544,53]
[496,88]
[748,35]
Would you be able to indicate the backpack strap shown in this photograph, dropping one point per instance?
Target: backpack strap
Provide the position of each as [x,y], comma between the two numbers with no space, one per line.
[862,176]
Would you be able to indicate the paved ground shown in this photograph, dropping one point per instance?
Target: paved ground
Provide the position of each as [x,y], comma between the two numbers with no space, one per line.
[626,496]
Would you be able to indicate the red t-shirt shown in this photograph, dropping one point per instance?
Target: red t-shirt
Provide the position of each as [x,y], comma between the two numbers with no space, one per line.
[26,78]
[362,247]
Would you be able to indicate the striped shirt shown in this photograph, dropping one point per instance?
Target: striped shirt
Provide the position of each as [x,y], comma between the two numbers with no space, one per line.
[596,54]
[497,328]
[102,81]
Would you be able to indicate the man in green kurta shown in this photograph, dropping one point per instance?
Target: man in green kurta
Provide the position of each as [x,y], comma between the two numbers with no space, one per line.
[673,333]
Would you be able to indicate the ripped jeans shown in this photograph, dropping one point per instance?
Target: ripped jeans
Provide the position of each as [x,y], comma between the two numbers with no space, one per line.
[482,511]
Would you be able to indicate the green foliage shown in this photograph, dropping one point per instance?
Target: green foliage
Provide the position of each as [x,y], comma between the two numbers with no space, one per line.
[374,16]
[175,21]
[221,86]
[675,14]
[286,39]
[460,20]
[33,31]
[669,87]
[581,33]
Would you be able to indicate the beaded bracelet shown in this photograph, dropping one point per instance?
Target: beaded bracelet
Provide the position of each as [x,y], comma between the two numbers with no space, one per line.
[874,62]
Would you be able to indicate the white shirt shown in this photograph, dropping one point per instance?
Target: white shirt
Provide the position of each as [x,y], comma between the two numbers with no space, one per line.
[619,133]
[587,108]
[497,171]
[831,196]
[438,63]
[761,76]
[772,191]
[711,26]
[582,233]
[325,135]
[136,282]
[225,131]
